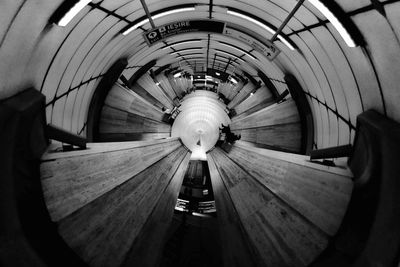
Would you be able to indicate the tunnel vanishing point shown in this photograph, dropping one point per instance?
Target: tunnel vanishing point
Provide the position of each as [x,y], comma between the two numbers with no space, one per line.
[200,133]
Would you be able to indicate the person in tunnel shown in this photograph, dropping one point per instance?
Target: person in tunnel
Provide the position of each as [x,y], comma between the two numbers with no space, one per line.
[230,137]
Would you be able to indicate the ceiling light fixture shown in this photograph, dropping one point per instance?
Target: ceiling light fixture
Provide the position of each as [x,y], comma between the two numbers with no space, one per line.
[262,25]
[72,12]
[233,80]
[163,14]
[335,22]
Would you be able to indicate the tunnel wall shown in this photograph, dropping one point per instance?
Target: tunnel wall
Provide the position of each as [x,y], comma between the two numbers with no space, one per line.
[284,207]
[95,172]
[106,199]
[127,116]
[260,99]
[277,126]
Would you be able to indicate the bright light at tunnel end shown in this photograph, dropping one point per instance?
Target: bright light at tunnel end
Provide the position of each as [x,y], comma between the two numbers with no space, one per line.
[163,14]
[73,12]
[335,22]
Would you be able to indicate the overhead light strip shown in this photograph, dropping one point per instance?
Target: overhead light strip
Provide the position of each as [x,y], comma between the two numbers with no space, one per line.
[262,25]
[72,12]
[335,22]
[163,14]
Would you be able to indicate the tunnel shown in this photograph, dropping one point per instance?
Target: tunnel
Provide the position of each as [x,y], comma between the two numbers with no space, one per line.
[200,133]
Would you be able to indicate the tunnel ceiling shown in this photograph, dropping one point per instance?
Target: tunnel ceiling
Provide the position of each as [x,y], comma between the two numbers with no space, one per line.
[66,63]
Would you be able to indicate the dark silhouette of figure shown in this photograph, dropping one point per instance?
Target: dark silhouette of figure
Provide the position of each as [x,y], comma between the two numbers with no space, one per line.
[229,136]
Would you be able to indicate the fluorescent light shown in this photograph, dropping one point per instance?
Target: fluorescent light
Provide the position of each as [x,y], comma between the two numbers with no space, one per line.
[238,49]
[335,22]
[72,12]
[166,13]
[176,75]
[233,80]
[262,25]
[217,73]
[179,208]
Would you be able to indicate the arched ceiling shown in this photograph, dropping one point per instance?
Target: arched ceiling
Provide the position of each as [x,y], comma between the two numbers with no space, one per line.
[66,63]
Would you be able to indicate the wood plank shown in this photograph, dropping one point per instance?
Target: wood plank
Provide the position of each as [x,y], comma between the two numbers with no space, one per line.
[103,231]
[322,197]
[70,183]
[282,136]
[281,235]
[277,126]
[148,246]
[285,112]
[166,85]
[242,95]
[261,98]
[112,137]
[129,101]
[93,148]
[149,85]
[116,121]
[236,250]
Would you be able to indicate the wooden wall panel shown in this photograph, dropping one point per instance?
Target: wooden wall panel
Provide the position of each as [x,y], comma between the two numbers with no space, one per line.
[235,246]
[111,137]
[131,102]
[242,95]
[316,192]
[166,85]
[262,98]
[280,234]
[149,85]
[229,90]
[117,121]
[282,136]
[71,182]
[131,117]
[148,246]
[103,231]
[277,126]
